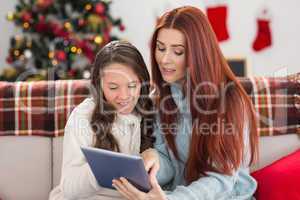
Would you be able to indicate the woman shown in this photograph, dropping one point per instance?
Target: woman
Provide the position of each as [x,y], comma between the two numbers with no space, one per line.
[118,117]
[208,137]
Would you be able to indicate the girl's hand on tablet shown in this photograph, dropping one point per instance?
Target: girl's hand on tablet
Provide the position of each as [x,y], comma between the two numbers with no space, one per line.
[130,192]
[151,161]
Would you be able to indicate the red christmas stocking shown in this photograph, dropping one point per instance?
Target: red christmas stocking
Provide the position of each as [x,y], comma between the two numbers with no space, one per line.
[218,20]
[264,37]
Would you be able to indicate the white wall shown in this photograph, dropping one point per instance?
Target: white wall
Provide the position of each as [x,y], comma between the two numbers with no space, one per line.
[6,30]
[139,18]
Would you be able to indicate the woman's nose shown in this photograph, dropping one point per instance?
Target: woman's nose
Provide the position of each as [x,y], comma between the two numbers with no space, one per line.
[166,58]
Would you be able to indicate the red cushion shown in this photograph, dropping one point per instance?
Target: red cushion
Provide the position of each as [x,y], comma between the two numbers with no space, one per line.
[280,180]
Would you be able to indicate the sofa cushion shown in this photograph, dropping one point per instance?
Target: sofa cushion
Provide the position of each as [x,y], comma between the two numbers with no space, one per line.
[297,105]
[25,167]
[272,148]
[274,101]
[279,180]
[57,149]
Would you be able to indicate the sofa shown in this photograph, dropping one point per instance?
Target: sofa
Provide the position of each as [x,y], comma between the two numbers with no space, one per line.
[33,116]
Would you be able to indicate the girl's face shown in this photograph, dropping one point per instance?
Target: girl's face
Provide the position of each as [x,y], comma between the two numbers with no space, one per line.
[121,87]
[170,54]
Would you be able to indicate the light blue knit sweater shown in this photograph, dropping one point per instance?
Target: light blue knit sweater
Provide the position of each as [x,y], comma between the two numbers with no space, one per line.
[239,186]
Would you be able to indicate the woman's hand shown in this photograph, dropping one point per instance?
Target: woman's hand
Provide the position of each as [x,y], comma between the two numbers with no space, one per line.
[130,192]
[151,161]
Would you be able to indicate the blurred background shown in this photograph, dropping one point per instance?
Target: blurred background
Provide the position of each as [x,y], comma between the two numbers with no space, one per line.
[58,39]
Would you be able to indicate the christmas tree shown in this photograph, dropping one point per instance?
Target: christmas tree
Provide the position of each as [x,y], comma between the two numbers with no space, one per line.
[61,36]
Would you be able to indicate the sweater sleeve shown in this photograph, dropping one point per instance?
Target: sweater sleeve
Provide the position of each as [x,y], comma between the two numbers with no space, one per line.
[166,171]
[239,186]
[77,179]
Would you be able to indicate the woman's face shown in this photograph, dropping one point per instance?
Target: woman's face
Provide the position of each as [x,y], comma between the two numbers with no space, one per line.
[170,54]
[121,87]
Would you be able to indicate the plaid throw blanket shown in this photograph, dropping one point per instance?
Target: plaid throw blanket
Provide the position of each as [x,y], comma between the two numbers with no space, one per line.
[39,108]
[42,108]
[275,102]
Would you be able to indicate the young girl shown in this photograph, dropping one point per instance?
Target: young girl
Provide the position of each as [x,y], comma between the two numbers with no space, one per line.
[117,118]
[207,153]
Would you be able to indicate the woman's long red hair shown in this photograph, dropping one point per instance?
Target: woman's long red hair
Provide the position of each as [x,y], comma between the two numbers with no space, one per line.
[219,151]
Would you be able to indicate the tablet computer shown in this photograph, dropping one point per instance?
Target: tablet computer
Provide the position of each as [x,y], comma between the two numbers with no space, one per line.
[108,165]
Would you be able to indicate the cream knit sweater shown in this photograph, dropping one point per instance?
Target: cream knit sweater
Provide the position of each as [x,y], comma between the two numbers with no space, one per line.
[77,180]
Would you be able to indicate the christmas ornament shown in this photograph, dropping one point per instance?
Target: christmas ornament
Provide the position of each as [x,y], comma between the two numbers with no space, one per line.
[94,21]
[9,60]
[43,4]
[122,27]
[42,27]
[81,22]
[99,8]
[60,55]
[26,16]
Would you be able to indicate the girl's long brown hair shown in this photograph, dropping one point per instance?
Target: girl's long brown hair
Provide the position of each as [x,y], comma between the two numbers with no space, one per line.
[104,114]
[219,151]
